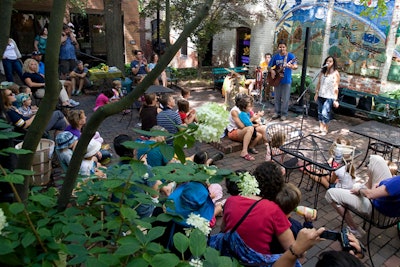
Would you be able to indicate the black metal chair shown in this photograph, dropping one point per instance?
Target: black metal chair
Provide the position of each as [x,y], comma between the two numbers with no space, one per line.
[279,134]
[375,219]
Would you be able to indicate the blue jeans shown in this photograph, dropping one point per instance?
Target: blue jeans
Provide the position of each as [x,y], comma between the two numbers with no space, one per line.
[324,109]
[282,97]
[10,66]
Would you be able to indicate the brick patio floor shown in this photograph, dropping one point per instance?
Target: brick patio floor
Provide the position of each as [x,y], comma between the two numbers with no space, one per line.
[385,243]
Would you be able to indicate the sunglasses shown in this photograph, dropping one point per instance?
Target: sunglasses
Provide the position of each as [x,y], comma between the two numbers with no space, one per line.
[10,94]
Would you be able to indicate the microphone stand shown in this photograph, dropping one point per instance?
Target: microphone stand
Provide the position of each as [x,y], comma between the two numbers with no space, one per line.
[305,106]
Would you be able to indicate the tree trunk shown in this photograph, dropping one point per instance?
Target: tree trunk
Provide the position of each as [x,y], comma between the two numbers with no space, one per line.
[48,104]
[5,18]
[114,33]
[102,113]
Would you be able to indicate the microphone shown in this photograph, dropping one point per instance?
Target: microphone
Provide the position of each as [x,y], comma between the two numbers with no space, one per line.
[326,65]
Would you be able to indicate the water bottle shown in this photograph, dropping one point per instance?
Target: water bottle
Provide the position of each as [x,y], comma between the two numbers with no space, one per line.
[338,155]
[302,210]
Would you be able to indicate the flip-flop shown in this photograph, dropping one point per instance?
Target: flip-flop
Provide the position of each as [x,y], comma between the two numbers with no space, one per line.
[248,157]
[253,151]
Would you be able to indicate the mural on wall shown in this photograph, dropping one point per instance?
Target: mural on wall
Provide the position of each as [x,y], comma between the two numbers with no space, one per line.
[357,42]
[243,46]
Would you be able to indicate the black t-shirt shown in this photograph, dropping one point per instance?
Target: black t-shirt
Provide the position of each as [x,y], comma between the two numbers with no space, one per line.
[35,77]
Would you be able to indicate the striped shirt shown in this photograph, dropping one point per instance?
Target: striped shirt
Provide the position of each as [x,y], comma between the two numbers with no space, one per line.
[169,119]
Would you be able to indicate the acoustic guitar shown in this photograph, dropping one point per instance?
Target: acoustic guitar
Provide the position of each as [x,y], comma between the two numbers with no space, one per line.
[279,73]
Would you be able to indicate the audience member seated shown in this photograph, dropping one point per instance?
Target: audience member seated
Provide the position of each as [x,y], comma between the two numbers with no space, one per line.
[148,112]
[238,132]
[163,75]
[79,76]
[143,210]
[382,190]
[65,146]
[25,105]
[265,220]
[168,118]
[139,66]
[90,167]
[57,121]
[36,82]
[152,152]
[187,115]
[104,98]
[77,120]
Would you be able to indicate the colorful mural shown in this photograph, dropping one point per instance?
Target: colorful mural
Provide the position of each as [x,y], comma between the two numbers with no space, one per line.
[356,41]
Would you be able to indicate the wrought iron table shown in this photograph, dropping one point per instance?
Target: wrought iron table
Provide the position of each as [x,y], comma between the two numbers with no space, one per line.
[386,136]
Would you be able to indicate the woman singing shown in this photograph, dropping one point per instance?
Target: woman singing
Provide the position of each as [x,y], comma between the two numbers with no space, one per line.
[326,93]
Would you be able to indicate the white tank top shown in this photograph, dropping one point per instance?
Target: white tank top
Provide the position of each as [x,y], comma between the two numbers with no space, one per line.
[327,86]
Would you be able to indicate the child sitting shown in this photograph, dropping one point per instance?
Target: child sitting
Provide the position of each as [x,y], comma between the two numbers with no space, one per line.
[65,145]
[187,115]
[104,98]
[25,105]
[116,88]
[89,165]
[288,199]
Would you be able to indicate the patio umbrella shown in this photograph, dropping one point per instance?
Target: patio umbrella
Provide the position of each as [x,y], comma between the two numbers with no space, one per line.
[158,89]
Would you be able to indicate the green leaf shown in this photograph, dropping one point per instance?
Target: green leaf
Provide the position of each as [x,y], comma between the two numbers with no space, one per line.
[16,208]
[28,239]
[138,262]
[14,178]
[165,260]
[112,183]
[5,247]
[167,151]
[129,213]
[154,233]
[128,243]
[109,259]
[197,243]
[44,200]
[44,233]
[181,242]
[154,248]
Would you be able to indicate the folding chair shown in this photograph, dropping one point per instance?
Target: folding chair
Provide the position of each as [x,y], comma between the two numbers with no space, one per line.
[279,134]
[375,219]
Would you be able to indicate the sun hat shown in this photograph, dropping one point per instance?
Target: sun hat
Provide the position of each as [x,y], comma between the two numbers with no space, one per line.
[22,97]
[191,197]
[65,139]
[93,147]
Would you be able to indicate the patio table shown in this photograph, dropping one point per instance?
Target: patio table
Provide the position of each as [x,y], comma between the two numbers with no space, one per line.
[315,151]
[386,136]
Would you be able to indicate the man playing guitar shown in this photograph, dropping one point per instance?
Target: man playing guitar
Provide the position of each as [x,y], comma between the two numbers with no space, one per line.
[282,61]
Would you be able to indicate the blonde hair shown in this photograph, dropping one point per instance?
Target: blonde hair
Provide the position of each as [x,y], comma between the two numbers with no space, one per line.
[392,167]
[288,198]
[278,139]
[115,83]
[26,65]
[74,116]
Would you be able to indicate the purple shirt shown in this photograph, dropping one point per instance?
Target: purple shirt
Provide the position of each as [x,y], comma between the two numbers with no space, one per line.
[74,131]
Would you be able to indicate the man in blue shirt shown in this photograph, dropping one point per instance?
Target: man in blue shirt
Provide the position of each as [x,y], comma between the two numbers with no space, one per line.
[284,61]
[67,52]
[168,118]
[139,66]
[79,76]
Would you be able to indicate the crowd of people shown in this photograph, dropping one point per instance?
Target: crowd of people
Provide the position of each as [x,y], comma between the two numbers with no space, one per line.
[258,224]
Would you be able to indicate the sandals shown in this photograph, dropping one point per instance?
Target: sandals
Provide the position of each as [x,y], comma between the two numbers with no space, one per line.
[248,157]
[253,151]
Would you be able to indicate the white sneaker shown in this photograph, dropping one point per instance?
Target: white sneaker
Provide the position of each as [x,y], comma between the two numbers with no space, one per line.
[74,103]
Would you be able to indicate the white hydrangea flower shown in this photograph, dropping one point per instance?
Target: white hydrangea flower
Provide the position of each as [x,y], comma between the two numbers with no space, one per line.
[212,121]
[3,222]
[196,263]
[199,222]
[188,231]
[248,185]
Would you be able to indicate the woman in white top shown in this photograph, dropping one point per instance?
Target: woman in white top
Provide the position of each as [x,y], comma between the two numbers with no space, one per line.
[326,93]
[11,61]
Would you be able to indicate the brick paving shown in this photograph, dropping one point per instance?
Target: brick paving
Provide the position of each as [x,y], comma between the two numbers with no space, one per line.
[385,243]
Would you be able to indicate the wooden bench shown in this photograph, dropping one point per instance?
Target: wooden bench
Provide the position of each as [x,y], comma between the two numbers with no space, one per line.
[382,107]
[219,74]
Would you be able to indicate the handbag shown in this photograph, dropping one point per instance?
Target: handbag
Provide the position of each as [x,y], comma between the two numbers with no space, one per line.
[225,249]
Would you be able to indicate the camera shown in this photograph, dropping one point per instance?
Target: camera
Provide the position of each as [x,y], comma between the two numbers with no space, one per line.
[340,236]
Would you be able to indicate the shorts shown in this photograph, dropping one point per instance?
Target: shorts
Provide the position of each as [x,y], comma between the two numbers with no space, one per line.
[233,135]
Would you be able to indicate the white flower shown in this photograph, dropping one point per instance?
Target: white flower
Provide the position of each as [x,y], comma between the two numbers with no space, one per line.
[199,222]
[248,185]
[3,222]
[196,263]
[212,121]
